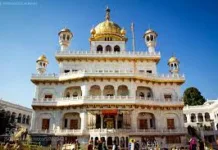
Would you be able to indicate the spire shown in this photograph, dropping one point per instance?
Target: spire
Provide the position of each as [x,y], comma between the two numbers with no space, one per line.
[107,17]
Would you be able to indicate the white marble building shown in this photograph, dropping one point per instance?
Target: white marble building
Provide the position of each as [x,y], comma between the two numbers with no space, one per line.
[20,114]
[204,118]
[108,92]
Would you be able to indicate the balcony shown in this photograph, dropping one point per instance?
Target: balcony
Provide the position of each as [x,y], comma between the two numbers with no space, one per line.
[104,100]
[78,132]
[109,73]
[94,54]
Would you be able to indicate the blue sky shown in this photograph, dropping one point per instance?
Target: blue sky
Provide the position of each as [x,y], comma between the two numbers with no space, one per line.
[186,28]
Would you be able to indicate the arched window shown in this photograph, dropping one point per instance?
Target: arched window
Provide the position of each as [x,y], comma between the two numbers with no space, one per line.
[28,119]
[19,118]
[108,48]
[116,48]
[142,95]
[148,38]
[64,36]
[149,95]
[99,48]
[75,94]
[152,37]
[24,119]
[68,94]
[68,37]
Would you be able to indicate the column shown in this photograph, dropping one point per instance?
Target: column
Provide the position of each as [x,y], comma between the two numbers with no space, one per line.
[102,117]
[134,116]
[132,90]
[85,90]
[116,121]
[32,127]
[188,118]
[115,90]
[83,117]
[203,117]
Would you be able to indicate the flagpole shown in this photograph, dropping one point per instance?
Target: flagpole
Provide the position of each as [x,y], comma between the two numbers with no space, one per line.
[133,37]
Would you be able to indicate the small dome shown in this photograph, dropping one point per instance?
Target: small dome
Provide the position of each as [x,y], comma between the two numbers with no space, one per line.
[150,31]
[123,31]
[42,58]
[92,31]
[65,30]
[173,59]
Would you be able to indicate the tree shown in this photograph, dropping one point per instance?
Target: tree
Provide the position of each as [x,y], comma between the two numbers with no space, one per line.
[192,96]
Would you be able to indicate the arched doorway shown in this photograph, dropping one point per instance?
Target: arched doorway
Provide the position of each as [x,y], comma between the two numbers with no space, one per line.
[108,48]
[71,121]
[146,120]
[99,49]
[116,48]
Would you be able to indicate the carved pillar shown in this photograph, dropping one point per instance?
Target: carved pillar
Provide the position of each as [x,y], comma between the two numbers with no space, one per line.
[116,121]
[33,121]
[102,117]
[134,116]
[85,90]
[83,117]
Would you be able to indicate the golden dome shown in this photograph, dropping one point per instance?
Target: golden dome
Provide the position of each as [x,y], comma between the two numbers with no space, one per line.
[173,59]
[65,30]
[42,58]
[107,27]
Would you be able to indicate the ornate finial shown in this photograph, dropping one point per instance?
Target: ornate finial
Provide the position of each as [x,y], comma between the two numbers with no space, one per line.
[107,17]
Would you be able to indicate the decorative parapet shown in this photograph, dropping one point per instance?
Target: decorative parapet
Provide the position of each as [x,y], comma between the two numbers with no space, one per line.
[104,100]
[161,131]
[67,55]
[109,73]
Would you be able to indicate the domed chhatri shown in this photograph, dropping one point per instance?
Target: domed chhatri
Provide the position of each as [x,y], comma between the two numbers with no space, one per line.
[173,59]
[150,37]
[65,30]
[173,64]
[107,29]
[41,64]
[42,58]
[65,36]
[150,31]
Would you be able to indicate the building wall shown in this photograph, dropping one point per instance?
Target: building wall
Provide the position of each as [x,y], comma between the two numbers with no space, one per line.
[17,109]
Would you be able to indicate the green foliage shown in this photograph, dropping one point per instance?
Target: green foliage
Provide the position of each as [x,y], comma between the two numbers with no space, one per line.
[192,96]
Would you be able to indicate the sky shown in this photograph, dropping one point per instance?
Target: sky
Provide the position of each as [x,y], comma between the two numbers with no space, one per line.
[29,28]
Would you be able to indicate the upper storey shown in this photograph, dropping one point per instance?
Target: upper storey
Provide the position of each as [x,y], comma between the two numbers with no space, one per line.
[108,57]
[107,41]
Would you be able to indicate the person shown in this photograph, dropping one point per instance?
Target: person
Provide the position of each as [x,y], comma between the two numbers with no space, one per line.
[136,145]
[104,147]
[90,146]
[99,145]
[115,147]
[132,145]
[193,144]
[201,145]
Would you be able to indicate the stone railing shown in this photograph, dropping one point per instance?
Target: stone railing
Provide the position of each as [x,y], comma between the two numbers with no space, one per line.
[103,100]
[109,131]
[112,53]
[112,73]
